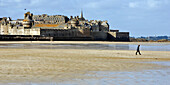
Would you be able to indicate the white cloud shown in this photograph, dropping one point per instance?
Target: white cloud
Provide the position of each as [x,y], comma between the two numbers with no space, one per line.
[92,5]
[10,3]
[133,4]
[34,2]
[17,0]
[148,4]
[153,3]
[102,4]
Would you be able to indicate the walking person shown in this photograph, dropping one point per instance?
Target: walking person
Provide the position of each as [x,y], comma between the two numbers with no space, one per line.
[138,50]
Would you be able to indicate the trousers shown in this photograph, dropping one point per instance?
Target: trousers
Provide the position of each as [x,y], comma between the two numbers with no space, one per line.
[138,52]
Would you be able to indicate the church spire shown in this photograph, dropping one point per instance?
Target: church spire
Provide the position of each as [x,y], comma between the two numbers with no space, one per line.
[82,13]
[82,17]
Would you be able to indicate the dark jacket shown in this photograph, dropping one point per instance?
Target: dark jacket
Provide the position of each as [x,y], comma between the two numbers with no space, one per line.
[138,49]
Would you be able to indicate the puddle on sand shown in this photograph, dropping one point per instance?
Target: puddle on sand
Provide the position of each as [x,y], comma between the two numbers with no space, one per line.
[144,77]
[165,63]
[149,77]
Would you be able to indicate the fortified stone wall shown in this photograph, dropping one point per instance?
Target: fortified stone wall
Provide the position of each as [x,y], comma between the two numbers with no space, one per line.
[32,31]
[111,36]
[22,31]
[118,36]
[8,30]
[65,33]
[99,35]
[4,29]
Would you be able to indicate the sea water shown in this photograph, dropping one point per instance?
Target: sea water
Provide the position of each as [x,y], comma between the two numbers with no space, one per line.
[145,47]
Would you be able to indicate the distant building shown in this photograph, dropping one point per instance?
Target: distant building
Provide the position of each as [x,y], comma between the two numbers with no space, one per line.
[155,38]
[59,27]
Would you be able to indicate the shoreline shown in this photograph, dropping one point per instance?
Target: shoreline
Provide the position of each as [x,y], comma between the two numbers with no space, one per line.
[78,42]
[98,45]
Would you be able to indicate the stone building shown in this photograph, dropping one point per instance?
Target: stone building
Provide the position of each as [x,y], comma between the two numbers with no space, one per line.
[60,27]
[46,19]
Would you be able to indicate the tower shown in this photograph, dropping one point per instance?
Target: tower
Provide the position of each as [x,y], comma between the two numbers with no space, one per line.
[81,14]
[82,18]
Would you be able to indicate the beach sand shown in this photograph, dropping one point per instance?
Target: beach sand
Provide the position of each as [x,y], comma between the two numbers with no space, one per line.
[45,65]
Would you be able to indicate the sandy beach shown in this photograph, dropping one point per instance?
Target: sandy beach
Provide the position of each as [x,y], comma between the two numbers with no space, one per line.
[45,65]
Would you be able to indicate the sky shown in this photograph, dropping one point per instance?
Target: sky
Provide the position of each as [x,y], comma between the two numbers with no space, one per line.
[139,17]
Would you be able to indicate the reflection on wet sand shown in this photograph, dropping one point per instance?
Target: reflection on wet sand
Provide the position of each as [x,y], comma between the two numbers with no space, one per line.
[81,64]
[66,46]
[147,77]
[159,47]
[143,77]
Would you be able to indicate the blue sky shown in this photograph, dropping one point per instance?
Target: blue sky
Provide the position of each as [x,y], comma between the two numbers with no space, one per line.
[139,17]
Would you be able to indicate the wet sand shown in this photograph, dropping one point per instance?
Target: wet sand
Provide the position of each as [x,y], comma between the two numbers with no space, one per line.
[81,42]
[60,65]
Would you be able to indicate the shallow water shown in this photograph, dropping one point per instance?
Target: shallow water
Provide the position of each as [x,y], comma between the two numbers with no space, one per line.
[145,77]
[146,47]
[148,77]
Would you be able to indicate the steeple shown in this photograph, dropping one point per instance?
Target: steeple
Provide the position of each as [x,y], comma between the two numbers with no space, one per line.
[82,14]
